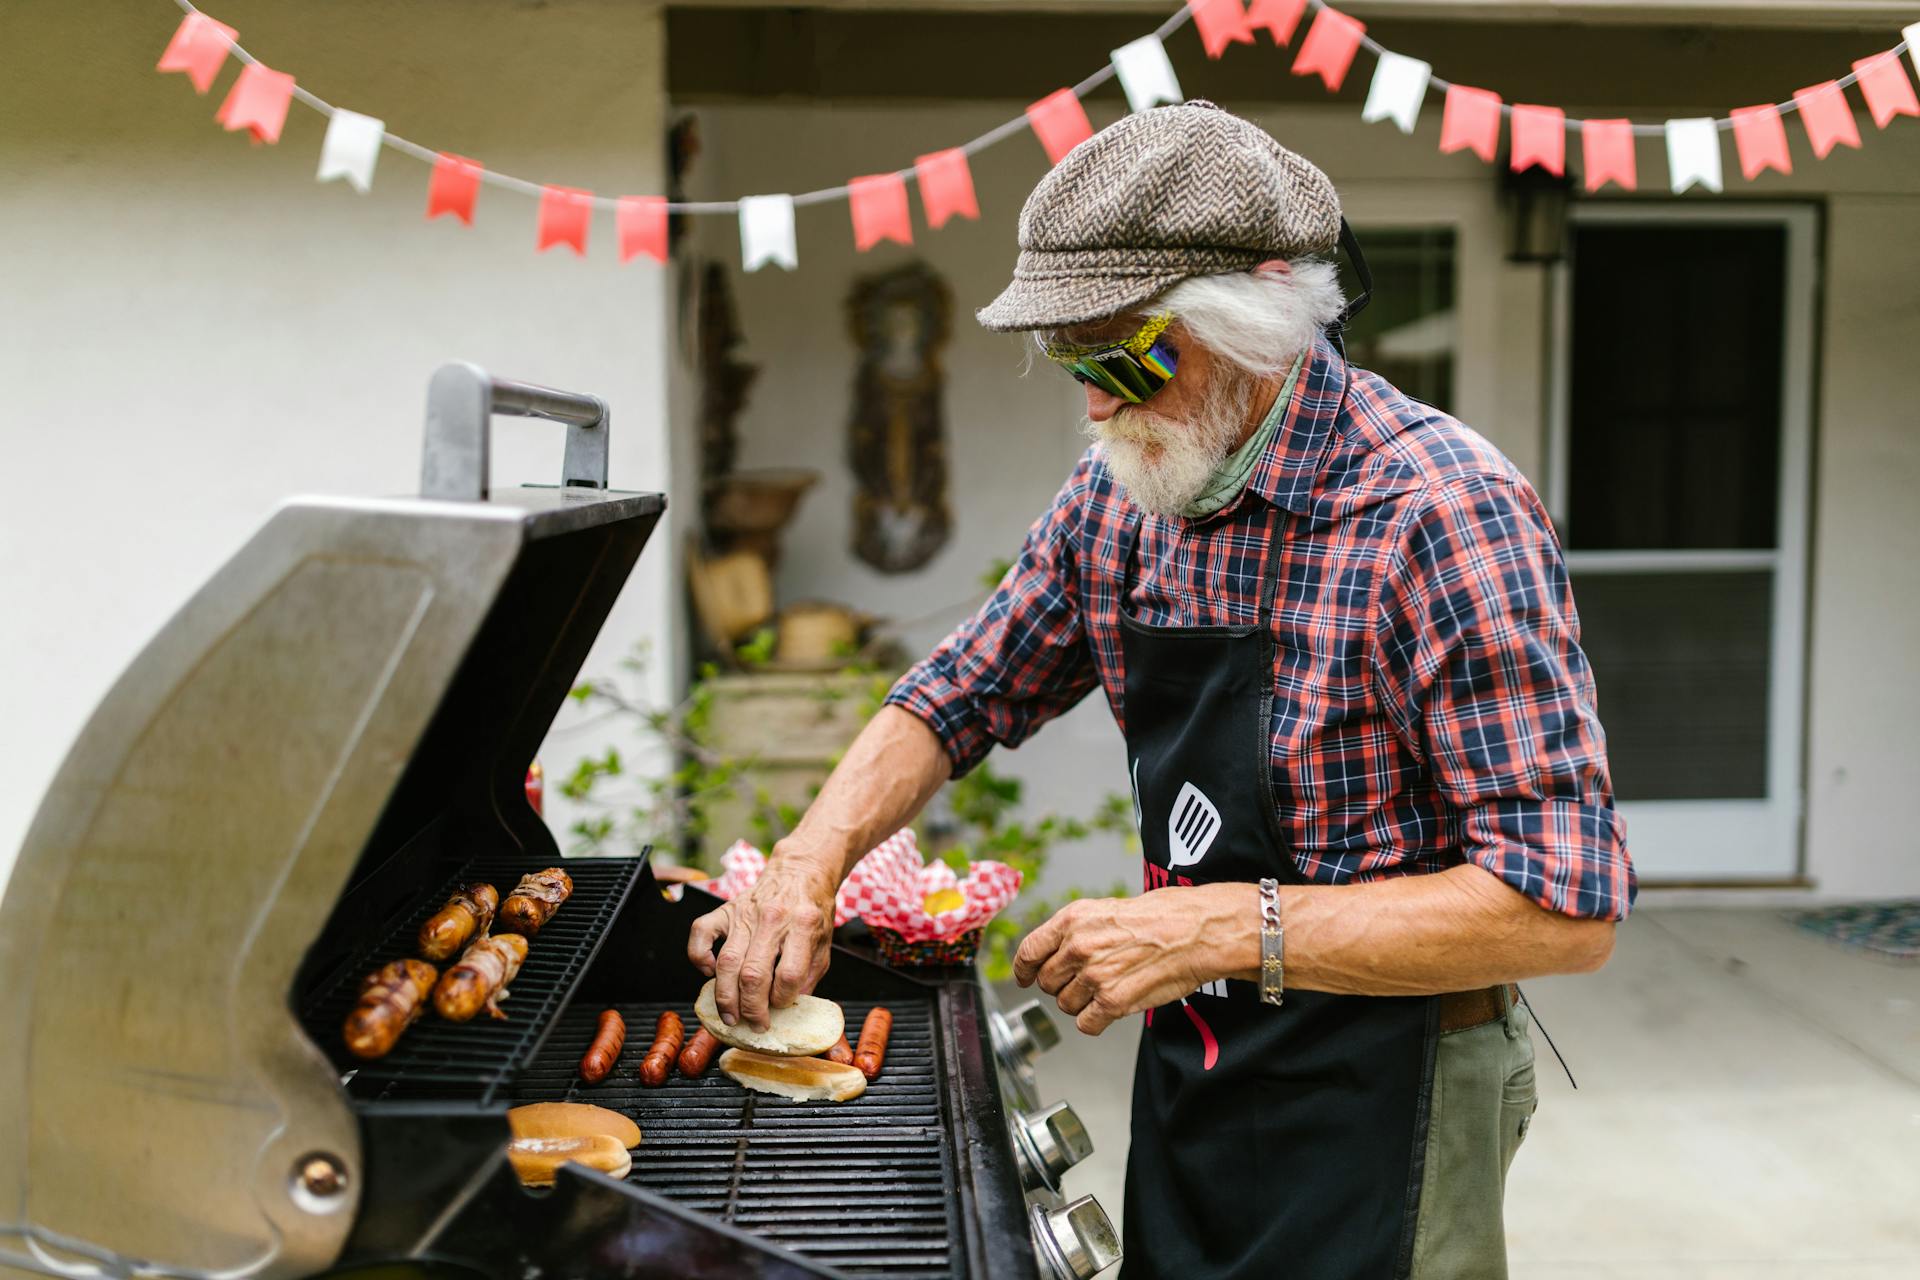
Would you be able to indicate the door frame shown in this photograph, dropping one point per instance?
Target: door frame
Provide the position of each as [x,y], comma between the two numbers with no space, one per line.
[1772,828]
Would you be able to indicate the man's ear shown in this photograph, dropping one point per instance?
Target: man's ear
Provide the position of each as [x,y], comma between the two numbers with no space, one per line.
[1274,267]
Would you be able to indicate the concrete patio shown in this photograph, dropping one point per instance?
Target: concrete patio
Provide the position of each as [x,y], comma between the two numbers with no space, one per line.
[1749,1109]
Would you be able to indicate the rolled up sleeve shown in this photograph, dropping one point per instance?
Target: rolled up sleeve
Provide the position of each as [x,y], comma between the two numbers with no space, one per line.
[1023,658]
[1478,662]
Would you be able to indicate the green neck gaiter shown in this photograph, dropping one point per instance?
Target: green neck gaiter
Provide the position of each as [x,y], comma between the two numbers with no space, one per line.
[1231,478]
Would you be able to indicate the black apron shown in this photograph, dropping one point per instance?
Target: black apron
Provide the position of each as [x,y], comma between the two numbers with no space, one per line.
[1278,1144]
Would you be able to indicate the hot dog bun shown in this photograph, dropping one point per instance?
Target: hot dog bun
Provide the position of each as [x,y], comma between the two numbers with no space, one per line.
[802,1079]
[571,1120]
[809,1026]
[535,1160]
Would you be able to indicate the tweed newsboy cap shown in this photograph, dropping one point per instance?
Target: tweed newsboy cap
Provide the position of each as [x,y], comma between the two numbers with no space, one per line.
[1151,200]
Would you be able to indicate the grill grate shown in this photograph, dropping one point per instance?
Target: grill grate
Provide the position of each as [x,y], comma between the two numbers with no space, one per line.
[477,1059]
[866,1187]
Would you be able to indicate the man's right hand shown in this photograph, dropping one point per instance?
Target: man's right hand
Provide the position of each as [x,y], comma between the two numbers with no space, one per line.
[778,937]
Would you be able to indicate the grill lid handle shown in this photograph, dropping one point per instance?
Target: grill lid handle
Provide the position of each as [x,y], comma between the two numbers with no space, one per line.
[461,401]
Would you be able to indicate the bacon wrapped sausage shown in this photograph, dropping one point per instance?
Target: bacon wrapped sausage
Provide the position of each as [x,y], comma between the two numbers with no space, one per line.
[534,900]
[391,998]
[467,913]
[480,980]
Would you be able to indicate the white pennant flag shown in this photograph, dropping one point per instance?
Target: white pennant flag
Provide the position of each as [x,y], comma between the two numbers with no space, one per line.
[1399,87]
[1146,74]
[350,149]
[1693,154]
[1912,37]
[766,232]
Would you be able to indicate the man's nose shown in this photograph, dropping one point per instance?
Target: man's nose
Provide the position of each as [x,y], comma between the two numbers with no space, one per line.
[1101,404]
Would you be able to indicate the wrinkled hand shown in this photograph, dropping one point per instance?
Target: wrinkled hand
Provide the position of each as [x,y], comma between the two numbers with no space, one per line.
[778,940]
[1105,958]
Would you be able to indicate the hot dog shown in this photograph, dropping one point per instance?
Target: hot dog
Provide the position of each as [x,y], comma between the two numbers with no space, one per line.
[842,1052]
[698,1054]
[390,999]
[467,912]
[873,1042]
[667,1037]
[534,900]
[480,980]
[598,1061]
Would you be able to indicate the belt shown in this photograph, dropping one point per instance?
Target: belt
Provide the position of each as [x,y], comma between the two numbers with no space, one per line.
[1460,1010]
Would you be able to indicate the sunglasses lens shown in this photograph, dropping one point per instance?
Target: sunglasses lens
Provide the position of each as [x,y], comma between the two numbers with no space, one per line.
[1119,372]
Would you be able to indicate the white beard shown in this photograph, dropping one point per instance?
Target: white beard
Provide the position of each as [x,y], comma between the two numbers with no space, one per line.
[1164,463]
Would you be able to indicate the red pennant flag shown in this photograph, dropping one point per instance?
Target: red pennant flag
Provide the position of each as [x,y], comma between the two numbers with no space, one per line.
[946,186]
[642,223]
[1221,23]
[1883,83]
[199,48]
[1279,17]
[1331,42]
[1539,137]
[1471,121]
[565,215]
[1827,117]
[1607,148]
[879,204]
[455,182]
[257,102]
[1761,140]
[1060,122]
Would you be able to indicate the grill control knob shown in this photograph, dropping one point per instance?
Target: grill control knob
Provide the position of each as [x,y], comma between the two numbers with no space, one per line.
[1074,1243]
[1049,1142]
[1025,1033]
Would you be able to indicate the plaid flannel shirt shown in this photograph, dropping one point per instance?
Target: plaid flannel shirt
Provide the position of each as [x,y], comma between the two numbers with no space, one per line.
[1431,702]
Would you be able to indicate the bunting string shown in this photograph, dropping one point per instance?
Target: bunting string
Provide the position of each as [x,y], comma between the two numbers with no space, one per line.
[1473,119]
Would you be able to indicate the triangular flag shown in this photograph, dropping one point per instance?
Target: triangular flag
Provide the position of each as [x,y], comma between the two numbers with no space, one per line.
[1145,74]
[1399,87]
[642,225]
[351,147]
[566,214]
[1539,138]
[1761,140]
[1693,154]
[1471,121]
[1279,17]
[880,211]
[1606,148]
[766,232]
[1328,50]
[257,102]
[199,48]
[946,186]
[1910,36]
[453,186]
[1884,84]
[1221,23]
[1827,117]
[1060,122]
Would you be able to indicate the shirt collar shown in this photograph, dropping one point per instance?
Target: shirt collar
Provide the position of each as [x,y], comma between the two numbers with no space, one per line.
[1287,473]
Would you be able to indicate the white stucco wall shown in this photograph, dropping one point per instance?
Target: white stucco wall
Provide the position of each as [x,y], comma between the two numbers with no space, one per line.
[191,328]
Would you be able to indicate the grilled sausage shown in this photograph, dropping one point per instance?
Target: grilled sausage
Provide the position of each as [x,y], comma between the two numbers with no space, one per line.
[667,1038]
[390,999]
[534,900]
[873,1042]
[842,1052]
[467,912]
[480,980]
[598,1061]
[698,1054]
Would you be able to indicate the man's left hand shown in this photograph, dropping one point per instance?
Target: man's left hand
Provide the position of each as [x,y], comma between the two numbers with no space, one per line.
[1105,958]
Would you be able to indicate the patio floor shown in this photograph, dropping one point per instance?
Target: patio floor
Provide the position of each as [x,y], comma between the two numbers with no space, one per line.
[1749,1109]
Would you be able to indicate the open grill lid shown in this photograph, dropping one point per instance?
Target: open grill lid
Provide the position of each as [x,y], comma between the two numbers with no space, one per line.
[360,672]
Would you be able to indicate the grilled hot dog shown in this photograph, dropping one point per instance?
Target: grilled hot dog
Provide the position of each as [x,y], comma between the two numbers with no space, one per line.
[467,912]
[480,980]
[873,1042]
[390,999]
[842,1052]
[698,1054]
[534,900]
[667,1038]
[598,1061]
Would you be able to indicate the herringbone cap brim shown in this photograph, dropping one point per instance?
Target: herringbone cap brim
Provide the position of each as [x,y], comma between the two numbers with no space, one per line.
[1156,198]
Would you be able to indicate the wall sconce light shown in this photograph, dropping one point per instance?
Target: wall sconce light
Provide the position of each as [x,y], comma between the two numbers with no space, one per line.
[1536,214]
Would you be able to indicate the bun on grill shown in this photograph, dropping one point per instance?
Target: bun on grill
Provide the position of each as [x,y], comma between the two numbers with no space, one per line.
[537,1160]
[802,1079]
[808,1026]
[571,1120]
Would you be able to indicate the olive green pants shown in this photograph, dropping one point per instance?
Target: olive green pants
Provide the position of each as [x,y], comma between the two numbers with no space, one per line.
[1483,1099]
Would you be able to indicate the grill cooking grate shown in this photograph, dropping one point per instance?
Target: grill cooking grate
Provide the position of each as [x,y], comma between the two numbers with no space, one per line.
[866,1187]
[437,1059]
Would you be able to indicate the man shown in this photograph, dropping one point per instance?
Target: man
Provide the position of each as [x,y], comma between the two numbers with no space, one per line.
[1336,629]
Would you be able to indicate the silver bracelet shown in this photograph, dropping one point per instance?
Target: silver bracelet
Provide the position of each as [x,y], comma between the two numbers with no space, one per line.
[1272,966]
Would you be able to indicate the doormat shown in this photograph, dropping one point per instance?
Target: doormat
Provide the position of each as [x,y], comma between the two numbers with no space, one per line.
[1891,928]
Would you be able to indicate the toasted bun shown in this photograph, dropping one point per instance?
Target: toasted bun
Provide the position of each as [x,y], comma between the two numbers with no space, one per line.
[536,1160]
[571,1120]
[809,1026]
[802,1079]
